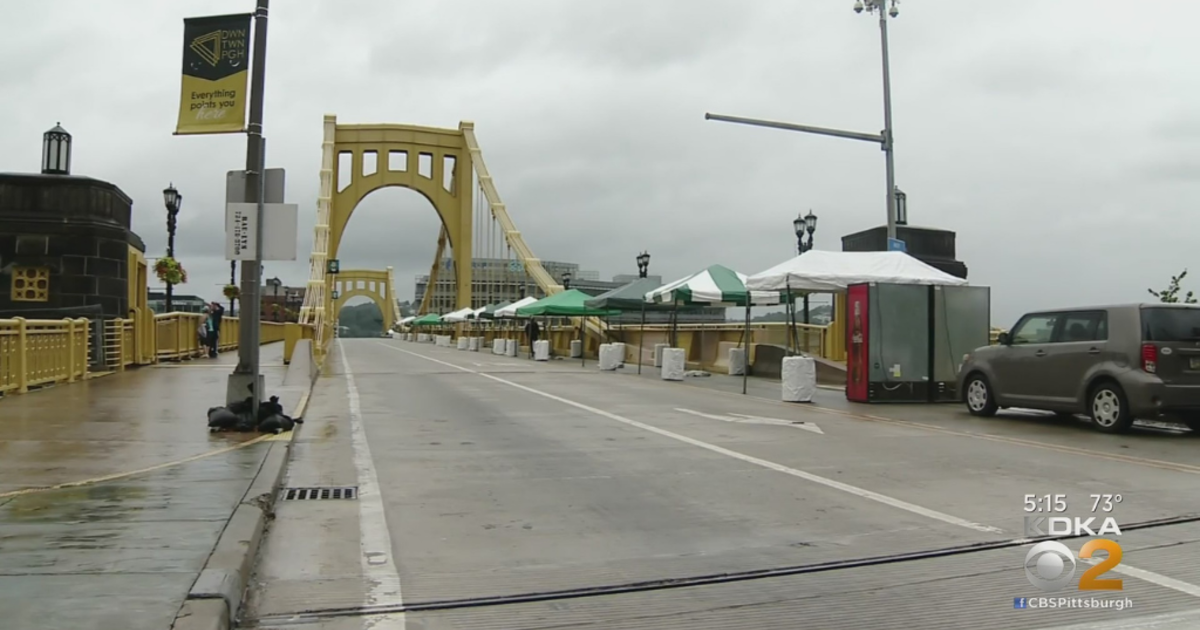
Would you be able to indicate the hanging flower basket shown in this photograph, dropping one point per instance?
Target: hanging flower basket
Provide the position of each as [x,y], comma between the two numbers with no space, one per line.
[232,292]
[170,271]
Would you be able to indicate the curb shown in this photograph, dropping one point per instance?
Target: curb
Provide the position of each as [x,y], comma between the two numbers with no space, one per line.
[216,596]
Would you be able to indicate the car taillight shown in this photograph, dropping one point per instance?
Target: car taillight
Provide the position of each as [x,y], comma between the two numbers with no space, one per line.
[1150,357]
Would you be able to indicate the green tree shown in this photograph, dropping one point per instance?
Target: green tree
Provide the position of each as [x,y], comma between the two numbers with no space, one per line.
[1170,295]
[361,320]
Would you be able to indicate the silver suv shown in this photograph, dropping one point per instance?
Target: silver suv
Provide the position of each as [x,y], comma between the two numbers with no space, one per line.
[1113,363]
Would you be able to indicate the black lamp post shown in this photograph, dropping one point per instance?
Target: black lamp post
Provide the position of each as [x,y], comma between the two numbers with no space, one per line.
[172,199]
[56,151]
[805,225]
[643,263]
[901,207]
[802,225]
[275,283]
[566,280]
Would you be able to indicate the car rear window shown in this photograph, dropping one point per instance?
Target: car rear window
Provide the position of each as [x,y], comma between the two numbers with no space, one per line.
[1171,324]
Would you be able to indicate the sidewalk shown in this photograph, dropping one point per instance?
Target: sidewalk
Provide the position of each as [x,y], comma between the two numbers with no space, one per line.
[115,549]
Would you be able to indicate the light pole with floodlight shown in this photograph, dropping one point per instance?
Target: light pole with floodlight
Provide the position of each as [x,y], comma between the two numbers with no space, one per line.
[884,139]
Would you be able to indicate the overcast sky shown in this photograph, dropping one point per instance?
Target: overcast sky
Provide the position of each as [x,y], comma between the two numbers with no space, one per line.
[1060,140]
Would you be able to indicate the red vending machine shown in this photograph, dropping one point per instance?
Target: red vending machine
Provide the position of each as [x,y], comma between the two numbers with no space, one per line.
[857,329]
[905,342]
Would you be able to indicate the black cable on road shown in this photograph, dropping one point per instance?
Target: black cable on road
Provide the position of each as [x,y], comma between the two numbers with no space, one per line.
[309,616]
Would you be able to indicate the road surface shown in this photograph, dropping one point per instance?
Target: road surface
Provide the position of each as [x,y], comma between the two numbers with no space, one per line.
[496,492]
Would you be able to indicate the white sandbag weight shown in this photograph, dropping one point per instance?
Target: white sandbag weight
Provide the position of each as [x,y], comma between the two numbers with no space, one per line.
[607,357]
[510,348]
[737,361]
[673,364]
[473,343]
[463,343]
[576,348]
[799,376]
[658,350]
[541,350]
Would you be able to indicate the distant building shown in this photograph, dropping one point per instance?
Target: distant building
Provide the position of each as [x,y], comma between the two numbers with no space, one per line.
[497,280]
[281,303]
[494,280]
[157,302]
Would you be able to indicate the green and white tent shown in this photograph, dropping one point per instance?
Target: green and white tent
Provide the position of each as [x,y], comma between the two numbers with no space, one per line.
[715,286]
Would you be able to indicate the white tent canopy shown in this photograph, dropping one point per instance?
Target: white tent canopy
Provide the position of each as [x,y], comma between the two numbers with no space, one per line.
[511,309]
[832,272]
[457,316]
[408,319]
[475,312]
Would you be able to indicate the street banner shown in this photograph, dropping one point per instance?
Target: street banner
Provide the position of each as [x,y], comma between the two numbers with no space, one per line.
[216,69]
[280,231]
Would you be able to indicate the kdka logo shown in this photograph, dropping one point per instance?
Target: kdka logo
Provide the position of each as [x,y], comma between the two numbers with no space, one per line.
[1036,526]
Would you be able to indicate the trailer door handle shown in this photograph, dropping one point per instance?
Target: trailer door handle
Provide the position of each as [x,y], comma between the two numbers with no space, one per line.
[1039,353]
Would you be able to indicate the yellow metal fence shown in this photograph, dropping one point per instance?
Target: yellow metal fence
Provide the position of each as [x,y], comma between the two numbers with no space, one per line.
[37,352]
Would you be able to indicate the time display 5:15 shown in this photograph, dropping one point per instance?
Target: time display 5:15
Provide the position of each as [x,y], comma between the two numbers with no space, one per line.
[1045,503]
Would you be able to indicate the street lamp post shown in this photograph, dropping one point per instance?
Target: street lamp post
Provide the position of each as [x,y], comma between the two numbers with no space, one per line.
[805,225]
[884,139]
[566,280]
[643,263]
[172,199]
[275,283]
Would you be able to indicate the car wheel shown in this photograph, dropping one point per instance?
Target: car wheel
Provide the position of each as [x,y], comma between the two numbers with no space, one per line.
[980,401]
[1108,408]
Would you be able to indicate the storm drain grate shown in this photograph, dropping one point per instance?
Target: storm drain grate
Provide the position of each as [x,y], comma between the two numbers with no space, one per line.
[315,494]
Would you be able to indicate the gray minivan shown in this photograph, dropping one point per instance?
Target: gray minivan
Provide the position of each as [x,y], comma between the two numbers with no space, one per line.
[1112,363]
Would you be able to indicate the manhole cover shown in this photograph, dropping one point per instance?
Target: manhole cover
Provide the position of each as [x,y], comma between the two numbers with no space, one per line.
[315,494]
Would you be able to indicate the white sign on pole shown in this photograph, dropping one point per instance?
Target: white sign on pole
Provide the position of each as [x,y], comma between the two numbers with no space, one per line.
[281,231]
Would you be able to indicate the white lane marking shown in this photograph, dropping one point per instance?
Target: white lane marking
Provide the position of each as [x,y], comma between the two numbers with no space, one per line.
[1151,577]
[378,562]
[837,485]
[1142,574]
[798,424]
[745,419]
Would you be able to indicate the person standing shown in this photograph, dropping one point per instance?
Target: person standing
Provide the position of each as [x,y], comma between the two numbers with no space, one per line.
[216,313]
[533,330]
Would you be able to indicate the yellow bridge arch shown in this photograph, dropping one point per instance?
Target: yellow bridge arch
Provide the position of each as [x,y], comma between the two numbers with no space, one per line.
[444,165]
[377,285]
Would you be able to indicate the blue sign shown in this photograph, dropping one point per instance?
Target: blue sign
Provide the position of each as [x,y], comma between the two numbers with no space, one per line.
[896,245]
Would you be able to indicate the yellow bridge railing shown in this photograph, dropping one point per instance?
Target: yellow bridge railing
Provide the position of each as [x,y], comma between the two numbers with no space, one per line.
[39,352]
[36,352]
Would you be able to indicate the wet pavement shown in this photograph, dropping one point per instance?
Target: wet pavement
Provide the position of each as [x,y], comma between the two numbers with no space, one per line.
[497,478]
[114,550]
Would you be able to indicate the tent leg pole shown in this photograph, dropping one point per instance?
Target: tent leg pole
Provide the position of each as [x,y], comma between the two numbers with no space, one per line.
[642,337]
[746,350]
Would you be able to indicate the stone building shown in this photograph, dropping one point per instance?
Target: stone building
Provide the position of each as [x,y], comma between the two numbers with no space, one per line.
[66,247]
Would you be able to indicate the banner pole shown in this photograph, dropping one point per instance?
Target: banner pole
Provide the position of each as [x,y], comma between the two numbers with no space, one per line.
[247,370]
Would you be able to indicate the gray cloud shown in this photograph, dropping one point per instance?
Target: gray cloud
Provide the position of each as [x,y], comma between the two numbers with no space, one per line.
[1057,142]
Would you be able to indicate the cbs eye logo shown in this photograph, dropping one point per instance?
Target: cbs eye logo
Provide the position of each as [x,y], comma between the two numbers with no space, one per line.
[1050,565]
